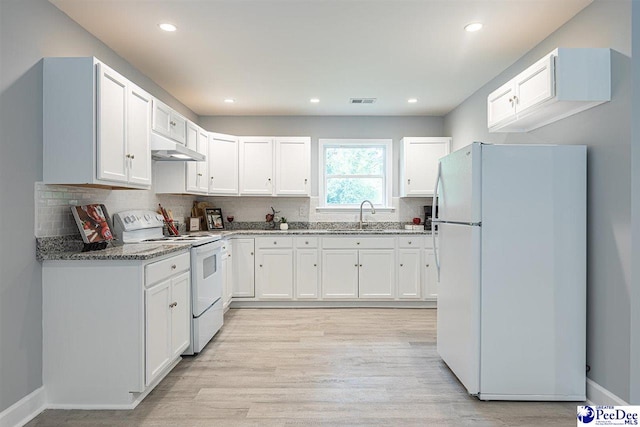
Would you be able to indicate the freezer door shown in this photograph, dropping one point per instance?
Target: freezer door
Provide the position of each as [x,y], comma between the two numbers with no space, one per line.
[459,302]
[459,187]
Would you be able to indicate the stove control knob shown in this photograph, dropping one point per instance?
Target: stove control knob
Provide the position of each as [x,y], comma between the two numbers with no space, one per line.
[147,217]
[126,220]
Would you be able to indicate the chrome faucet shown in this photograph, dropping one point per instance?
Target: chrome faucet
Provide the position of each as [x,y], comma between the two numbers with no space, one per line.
[373,210]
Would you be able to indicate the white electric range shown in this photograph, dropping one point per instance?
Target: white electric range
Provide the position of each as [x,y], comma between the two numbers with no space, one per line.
[145,226]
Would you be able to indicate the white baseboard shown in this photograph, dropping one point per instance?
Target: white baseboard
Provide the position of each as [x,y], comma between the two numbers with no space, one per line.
[598,395]
[24,410]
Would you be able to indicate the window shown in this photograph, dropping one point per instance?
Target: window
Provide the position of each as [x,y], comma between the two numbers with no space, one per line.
[353,170]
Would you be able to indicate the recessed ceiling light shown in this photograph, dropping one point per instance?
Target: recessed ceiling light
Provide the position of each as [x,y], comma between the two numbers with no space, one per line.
[474,26]
[412,100]
[165,26]
[229,100]
[314,100]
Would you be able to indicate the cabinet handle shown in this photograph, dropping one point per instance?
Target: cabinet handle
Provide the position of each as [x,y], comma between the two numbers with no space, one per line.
[427,265]
[173,267]
[306,180]
[199,174]
[128,156]
[360,265]
[357,243]
[173,305]
[409,181]
[306,243]
[401,265]
[251,253]
[515,99]
[315,265]
[409,241]
[275,243]
[172,123]
[356,265]
[133,157]
[260,265]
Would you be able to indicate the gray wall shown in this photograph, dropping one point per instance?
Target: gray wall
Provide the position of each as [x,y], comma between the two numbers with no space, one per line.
[394,127]
[30,30]
[635,209]
[606,131]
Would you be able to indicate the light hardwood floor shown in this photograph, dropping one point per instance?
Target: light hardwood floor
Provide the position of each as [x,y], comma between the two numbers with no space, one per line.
[329,367]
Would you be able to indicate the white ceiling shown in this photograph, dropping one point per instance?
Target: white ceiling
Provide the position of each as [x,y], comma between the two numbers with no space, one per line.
[272,56]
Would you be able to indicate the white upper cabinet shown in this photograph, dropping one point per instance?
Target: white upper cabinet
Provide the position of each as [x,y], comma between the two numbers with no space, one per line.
[256,166]
[419,164]
[96,126]
[197,172]
[275,166]
[562,83]
[223,164]
[293,166]
[168,122]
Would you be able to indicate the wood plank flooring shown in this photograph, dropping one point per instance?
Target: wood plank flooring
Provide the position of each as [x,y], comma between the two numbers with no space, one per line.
[318,367]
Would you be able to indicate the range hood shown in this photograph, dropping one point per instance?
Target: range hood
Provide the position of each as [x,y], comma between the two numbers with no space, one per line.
[162,148]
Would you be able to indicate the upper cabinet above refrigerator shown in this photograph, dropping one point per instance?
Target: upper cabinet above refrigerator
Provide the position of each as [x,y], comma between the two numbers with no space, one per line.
[562,83]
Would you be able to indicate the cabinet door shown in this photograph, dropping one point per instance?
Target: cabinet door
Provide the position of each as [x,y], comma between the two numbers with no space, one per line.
[243,268]
[192,167]
[274,273]
[293,166]
[307,273]
[501,105]
[377,273]
[420,160]
[158,329]
[112,131]
[161,118]
[256,166]
[138,135]
[223,164]
[430,277]
[339,273]
[535,85]
[409,273]
[203,167]
[177,127]
[180,314]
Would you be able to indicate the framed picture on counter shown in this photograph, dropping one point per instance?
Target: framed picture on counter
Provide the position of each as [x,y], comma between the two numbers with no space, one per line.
[213,218]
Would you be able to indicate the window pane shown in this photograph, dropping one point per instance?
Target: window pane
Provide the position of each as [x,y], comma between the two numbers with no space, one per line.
[352,191]
[354,160]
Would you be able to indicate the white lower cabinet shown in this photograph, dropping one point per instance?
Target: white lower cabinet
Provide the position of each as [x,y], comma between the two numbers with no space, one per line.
[112,329]
[339,273]
[274,273]
[409,269]
[307,273]
[227,272]
[430,277]
[376,273]
[243,267]
[167,317]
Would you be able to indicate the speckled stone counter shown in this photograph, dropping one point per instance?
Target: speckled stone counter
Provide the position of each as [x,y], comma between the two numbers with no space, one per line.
[138,251]
[69,247]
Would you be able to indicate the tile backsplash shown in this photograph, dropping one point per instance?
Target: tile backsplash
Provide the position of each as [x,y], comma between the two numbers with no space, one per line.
[53,214]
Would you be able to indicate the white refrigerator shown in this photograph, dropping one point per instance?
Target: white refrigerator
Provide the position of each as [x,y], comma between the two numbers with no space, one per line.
[511,258]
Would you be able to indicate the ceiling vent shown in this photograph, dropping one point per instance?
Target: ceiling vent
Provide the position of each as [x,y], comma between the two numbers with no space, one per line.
[362,100]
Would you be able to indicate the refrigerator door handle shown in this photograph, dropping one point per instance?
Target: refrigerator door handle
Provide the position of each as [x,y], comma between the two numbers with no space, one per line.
[434,210]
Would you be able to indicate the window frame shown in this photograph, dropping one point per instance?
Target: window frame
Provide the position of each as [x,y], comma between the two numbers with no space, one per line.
[387,174]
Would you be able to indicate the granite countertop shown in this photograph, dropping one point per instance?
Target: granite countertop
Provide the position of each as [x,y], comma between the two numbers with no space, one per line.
[69,247]
[138,251]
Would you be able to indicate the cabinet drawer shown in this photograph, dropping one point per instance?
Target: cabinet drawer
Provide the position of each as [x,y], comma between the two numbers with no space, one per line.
[274,242]
[411,241]
[358,243]
[306,242]
[166,268]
